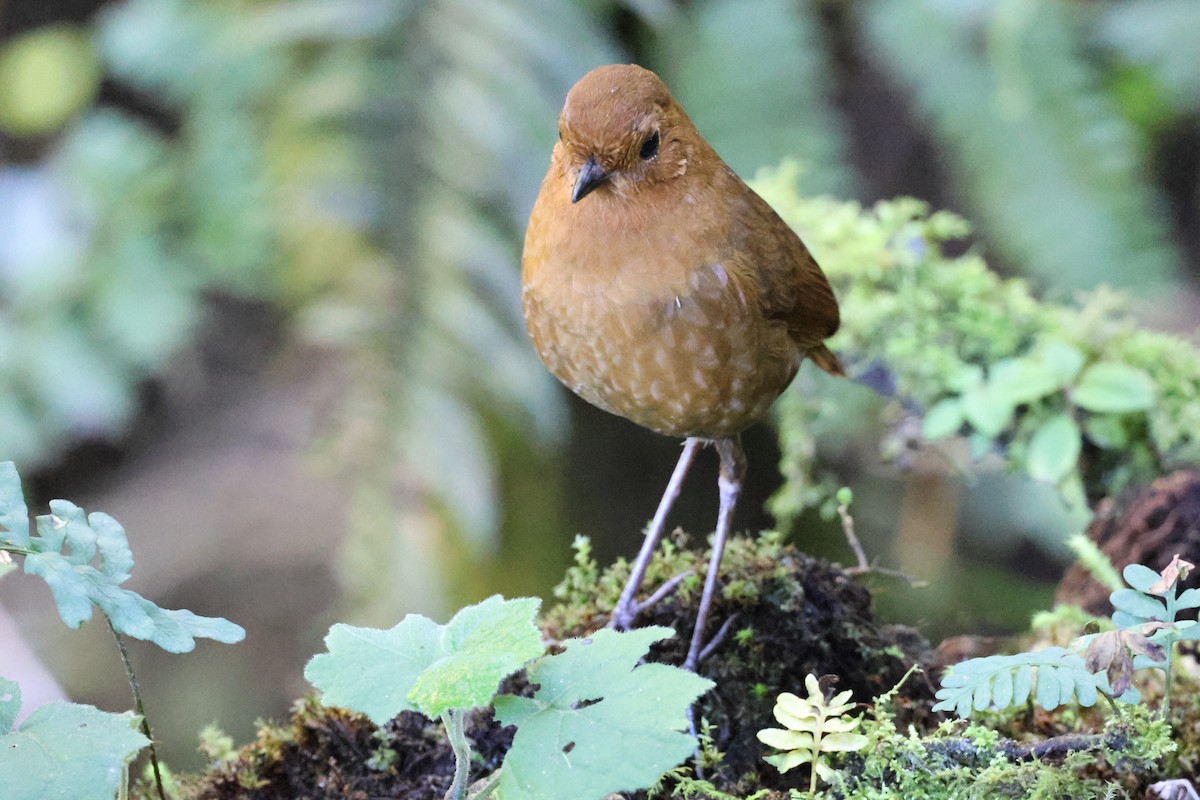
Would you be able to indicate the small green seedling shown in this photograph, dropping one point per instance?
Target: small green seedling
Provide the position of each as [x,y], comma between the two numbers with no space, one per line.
[1147,627]
[598,723]
[813,727]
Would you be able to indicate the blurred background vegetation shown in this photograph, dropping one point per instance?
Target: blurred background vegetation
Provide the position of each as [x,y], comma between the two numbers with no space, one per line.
[259,292]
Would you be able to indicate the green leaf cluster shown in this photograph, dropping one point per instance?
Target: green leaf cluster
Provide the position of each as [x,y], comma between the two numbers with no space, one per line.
[1149,600]
[598,723]
[84,559]
[1152,607]
[64,749]
[419,665]
[952,349]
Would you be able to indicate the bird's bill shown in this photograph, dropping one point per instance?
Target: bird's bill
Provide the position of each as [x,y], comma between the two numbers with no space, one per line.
[590,176]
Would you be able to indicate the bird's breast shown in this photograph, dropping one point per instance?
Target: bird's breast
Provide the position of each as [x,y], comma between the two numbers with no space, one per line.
[653,325]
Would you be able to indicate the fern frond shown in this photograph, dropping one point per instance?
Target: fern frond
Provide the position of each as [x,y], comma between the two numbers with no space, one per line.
[1054,174]
[1053,676]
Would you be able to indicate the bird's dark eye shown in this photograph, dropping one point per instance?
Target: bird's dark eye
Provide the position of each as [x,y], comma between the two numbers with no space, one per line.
[650,147]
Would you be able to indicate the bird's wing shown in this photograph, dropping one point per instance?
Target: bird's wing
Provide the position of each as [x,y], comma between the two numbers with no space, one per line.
[794,290]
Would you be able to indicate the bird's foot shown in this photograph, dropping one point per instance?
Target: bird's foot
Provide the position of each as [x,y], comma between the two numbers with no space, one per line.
[697,653]
[627,609]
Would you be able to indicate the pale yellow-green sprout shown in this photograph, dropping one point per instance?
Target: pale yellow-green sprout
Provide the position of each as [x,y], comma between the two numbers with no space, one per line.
[813,727]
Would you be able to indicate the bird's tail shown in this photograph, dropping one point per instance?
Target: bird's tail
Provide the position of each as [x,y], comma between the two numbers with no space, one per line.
[827,360]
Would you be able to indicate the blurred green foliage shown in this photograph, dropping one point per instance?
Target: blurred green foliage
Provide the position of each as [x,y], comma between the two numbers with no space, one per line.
[366,167]
[45,78]
[1055,173]
[1078,395]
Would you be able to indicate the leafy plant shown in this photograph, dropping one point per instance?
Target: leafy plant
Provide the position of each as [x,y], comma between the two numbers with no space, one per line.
[598,722]
[1151,608]
[85,559]
[440,671]
[1147,628]
[813,727]
[64,749]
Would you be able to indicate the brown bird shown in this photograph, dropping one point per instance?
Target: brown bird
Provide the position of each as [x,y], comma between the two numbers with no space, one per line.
[658,286]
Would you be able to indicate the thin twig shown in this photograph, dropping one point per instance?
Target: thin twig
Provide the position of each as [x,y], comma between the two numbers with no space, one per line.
[141,709]
[666,589]
[855,545]
[864,566]
[716,640]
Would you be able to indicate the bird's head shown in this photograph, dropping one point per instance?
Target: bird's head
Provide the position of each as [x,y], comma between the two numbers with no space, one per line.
[620,129]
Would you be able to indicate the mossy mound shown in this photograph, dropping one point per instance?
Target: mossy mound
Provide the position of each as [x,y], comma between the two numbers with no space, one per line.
[792,615]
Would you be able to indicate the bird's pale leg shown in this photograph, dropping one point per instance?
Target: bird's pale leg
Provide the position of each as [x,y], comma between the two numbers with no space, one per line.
[733,471]
[627,606]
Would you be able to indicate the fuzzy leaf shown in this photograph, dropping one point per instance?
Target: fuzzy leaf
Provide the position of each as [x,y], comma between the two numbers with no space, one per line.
[66,548]
[1054,449]
[1064,360]
[1107,431]
[1189,598]
[68,750]
[1140,577]
[1138,604]
[14,515]
[10,704]
[843,741]
[422,666]
[1114,387]
[987,412]
[599,723]
[1017,381]
[943,419]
